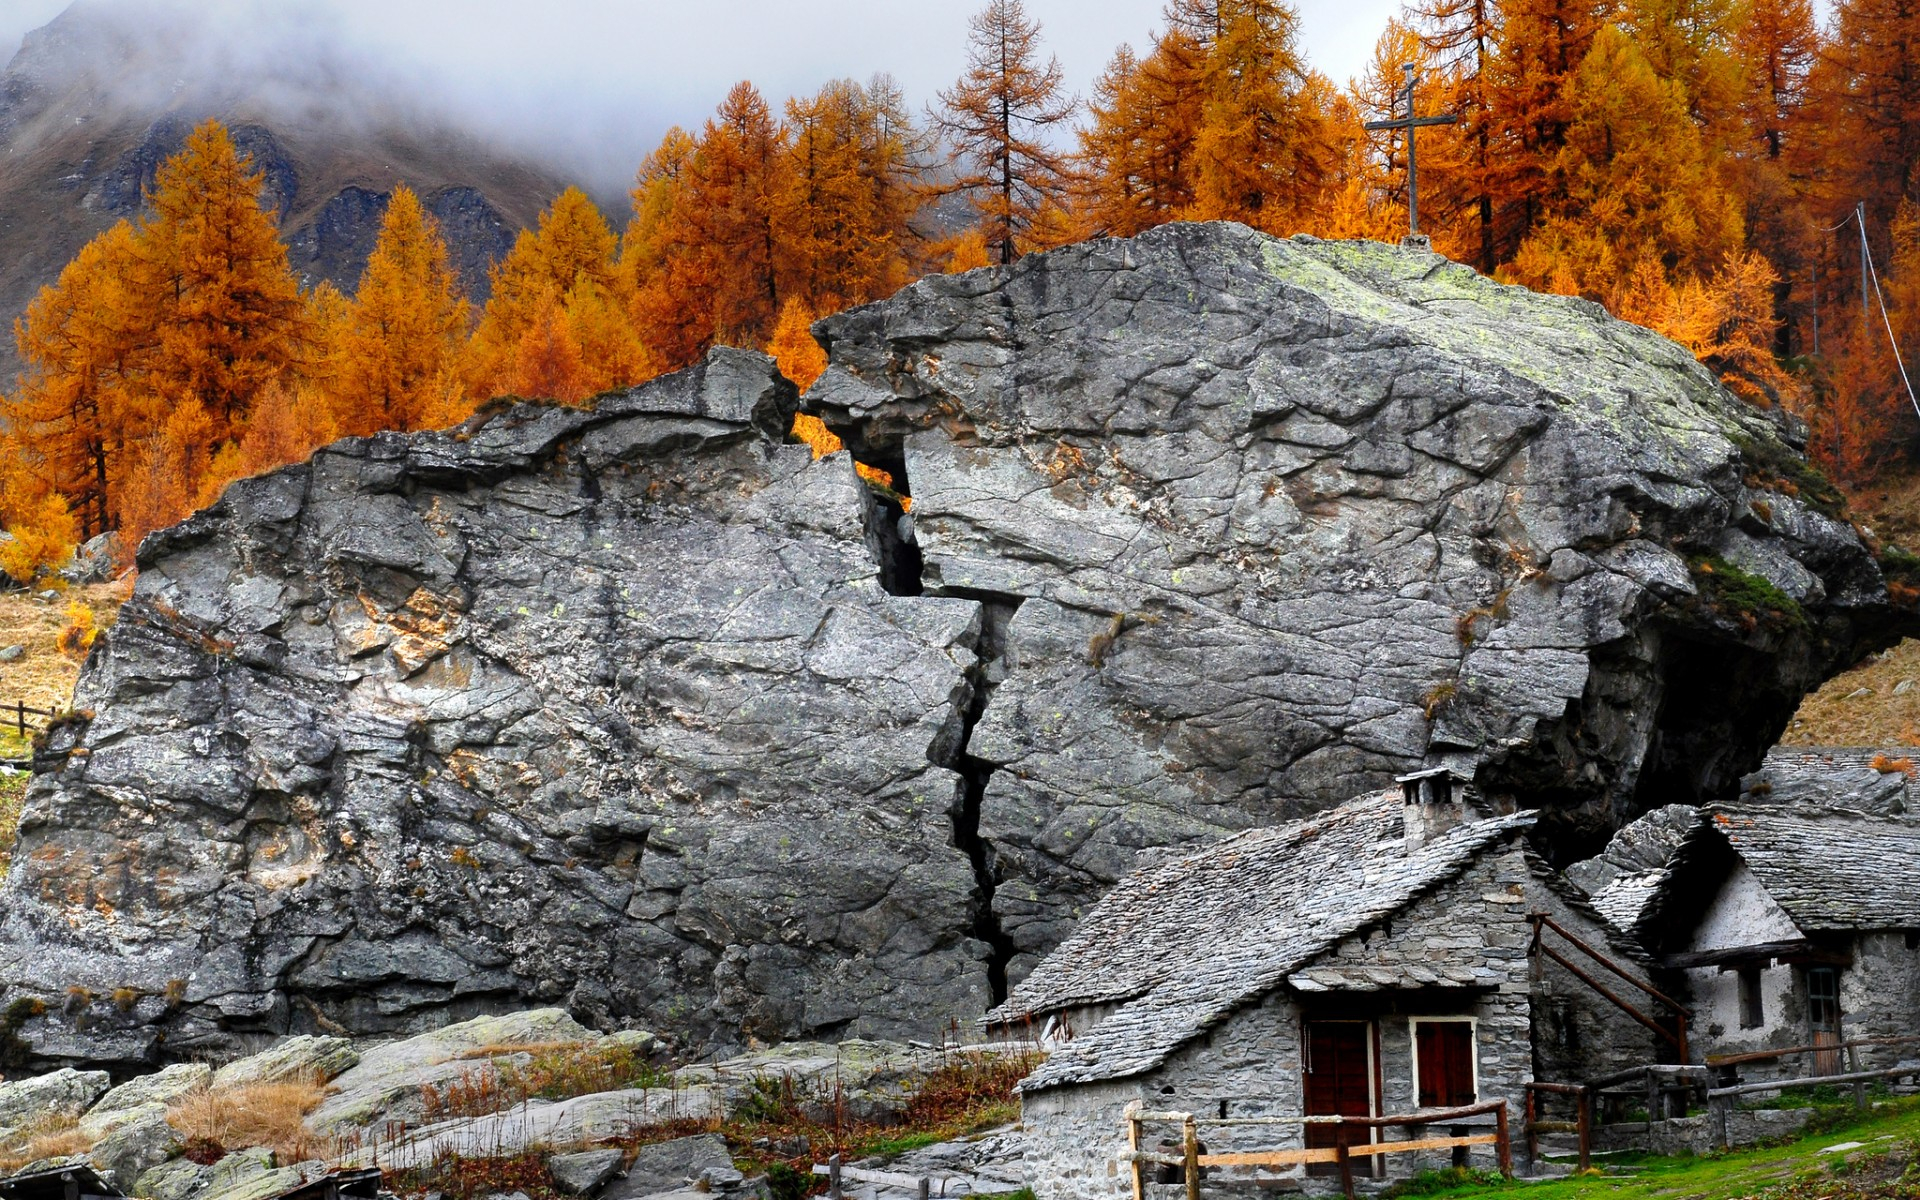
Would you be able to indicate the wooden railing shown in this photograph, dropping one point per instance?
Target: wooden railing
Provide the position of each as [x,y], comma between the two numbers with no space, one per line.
[15,716]
[1676,1036]
[1656,1081]
[1720,1100]
[1191,1160]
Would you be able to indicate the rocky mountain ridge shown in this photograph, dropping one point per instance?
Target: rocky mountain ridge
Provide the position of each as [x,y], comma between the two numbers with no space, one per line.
[640,710]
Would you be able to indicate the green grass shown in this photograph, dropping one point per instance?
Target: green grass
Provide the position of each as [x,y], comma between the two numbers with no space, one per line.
[1744,596]
[1886,1167]
[901,1144]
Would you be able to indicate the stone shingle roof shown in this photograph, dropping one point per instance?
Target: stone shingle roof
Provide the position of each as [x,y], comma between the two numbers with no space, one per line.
[1181,944]
[1834,776]
[1833,870]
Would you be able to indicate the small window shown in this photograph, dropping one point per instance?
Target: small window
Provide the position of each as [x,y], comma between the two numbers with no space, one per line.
[1753,1012]
[1823,999]
[1444,1050]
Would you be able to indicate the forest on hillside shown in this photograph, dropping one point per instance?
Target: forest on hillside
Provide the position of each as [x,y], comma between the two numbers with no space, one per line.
[1728,172]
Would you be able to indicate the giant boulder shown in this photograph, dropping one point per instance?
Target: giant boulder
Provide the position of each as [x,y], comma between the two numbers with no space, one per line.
[641,711]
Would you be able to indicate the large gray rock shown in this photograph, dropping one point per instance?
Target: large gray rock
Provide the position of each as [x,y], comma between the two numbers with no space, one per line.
[1284,518]
[138,1140]
[307,1056]
[604,708]
[670,1166]
[28,1103]
[162,1087]
[643,712]
[396,1083]
[584,1172]
[562,1125]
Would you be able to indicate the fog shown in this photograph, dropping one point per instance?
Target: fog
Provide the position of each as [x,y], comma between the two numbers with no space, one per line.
[590,85]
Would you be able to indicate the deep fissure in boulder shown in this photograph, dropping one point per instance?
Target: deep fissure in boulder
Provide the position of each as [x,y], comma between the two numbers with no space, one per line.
[889,534]
[996,613]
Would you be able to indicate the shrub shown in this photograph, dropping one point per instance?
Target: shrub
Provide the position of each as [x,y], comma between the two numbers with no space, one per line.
[81,632]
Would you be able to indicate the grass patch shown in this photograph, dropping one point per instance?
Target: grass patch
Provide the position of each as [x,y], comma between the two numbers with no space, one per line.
[51,1137]
[1882,1169]
[211,1122]
[1745,598]
[43,677]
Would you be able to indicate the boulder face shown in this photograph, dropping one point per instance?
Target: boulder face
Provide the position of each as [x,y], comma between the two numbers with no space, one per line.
[642,711]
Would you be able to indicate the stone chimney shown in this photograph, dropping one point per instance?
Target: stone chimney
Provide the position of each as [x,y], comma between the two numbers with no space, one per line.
[1432,802]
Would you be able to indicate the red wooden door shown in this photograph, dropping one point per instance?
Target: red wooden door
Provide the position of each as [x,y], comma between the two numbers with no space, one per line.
[1339,1083]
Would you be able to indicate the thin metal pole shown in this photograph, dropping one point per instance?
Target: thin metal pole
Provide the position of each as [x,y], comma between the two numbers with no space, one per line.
[1413,171]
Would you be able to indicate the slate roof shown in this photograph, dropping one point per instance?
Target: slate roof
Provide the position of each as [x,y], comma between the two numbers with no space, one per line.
[1831,871]
[1834,776]
[1183,943]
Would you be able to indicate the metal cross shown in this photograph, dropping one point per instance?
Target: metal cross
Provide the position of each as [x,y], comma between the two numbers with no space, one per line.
[1410,123]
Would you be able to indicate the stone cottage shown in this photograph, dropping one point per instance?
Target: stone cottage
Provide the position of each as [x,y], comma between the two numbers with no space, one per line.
[1372,960]
[1782,925]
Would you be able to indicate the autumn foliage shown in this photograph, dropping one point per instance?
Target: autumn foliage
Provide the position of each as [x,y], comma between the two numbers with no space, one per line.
[1703,167]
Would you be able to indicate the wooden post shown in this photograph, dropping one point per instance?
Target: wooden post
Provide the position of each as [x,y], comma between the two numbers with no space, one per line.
[924,1188]
[1504,1146]
[1190,1146]
[1345,1159]
[1533,1135]
[1860,1088]
[1586,1127]
[1717,1109]
[833,1177]
[1133,1144]
[1656,1097]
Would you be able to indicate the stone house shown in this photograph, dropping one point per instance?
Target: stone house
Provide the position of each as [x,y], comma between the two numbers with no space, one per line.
[1371,960]
[1782,926]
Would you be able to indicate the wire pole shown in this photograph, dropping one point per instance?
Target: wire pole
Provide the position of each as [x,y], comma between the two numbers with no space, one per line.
[1860,219]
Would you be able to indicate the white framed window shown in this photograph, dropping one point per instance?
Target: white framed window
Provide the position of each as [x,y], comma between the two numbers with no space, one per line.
[1446,1061]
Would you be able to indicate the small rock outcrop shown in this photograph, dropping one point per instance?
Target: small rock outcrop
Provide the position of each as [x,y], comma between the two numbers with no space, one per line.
[641,711]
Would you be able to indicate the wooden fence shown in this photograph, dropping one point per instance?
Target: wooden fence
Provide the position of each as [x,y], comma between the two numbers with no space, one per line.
[24,720]
[1191,1160]
[1660,1083]
[1720,1100]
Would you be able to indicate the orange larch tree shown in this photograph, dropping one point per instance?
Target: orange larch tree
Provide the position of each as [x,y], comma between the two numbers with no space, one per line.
[405,330]
[996,119]
[562,274]
[231,319]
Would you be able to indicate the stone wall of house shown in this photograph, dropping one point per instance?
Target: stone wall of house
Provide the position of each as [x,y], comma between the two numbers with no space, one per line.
[1458,952]
[1074,1138]
[1714,996]
[1578,1033]
[1880,996]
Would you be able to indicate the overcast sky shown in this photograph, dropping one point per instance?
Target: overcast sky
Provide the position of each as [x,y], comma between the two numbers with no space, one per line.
[612,75]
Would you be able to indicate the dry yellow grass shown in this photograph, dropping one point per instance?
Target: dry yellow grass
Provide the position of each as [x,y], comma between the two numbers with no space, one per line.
[1865,706]
[43,678]
[55,1137]
[258,1114]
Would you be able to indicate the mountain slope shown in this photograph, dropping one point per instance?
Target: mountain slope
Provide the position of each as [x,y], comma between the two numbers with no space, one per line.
[95,101]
